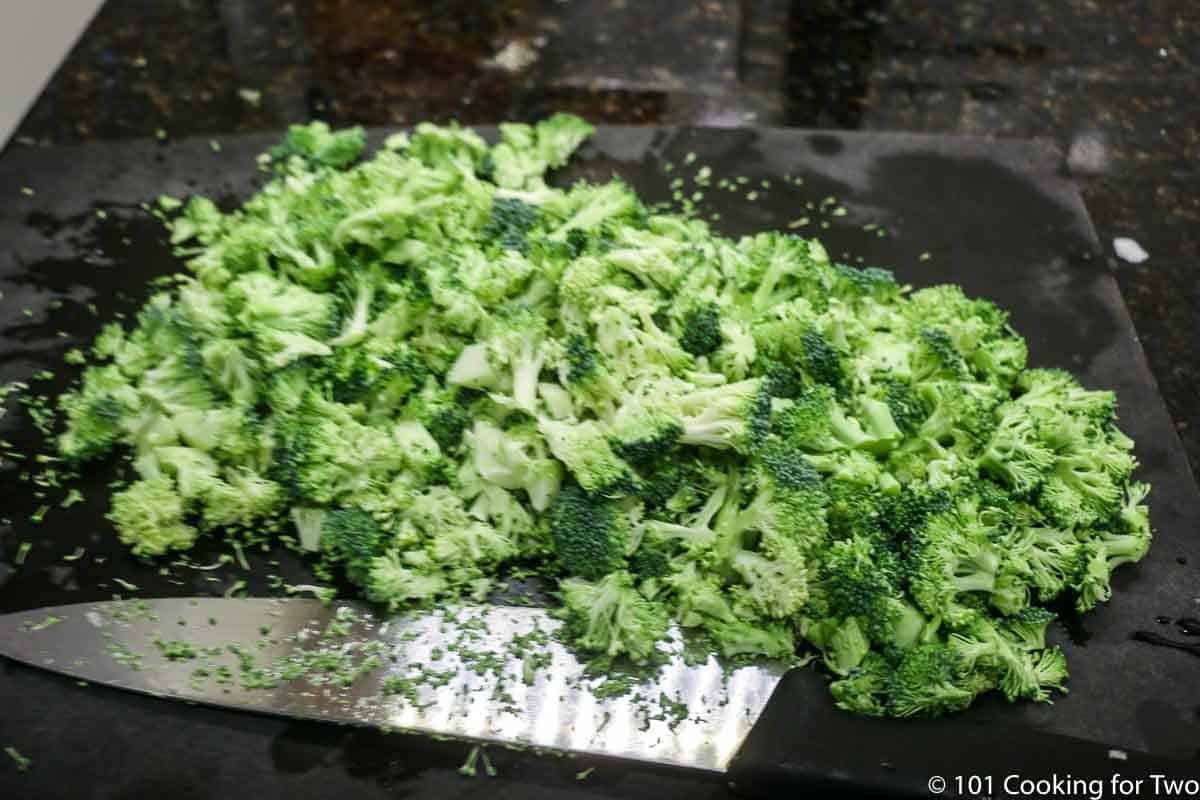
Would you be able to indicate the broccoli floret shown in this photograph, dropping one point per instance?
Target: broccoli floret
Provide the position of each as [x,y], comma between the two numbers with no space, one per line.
[701,330]
[734,416]
[862,579]
[317,145]
[816,422]
[515,459]
[908,410]
[789,501]
[94,414]
[1058,391]
[391,582]
[1016,454]
[864,688]
[590,533]
[517,341]
[149,515]
[928,682]
[584,450]
[609,617]
[353,537]
[951,555]
[509,224]
[864,284]
[643,435]
[242,500]
[822,362]
[936,357]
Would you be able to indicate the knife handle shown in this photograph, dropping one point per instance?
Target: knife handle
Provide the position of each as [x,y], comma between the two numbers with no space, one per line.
[802,743]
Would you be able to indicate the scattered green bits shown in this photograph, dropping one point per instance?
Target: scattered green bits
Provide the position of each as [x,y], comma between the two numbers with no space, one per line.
[22,763]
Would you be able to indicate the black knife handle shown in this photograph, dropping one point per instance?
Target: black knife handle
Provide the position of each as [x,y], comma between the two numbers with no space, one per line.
[802,743]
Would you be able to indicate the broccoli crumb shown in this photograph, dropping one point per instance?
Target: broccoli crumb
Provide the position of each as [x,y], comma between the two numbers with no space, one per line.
[22,763]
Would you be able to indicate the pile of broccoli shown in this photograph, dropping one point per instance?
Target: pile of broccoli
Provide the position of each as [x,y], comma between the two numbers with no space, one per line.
[430,365]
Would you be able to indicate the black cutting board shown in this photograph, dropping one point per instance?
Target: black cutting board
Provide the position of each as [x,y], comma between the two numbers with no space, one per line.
[994,216]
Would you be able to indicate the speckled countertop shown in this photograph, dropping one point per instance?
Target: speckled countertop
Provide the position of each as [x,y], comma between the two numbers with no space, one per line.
[1115,83]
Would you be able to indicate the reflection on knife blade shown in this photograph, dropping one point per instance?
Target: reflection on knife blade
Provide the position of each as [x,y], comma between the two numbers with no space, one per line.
[489,673]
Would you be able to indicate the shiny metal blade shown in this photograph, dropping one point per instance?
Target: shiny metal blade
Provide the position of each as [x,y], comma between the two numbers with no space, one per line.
[453,672]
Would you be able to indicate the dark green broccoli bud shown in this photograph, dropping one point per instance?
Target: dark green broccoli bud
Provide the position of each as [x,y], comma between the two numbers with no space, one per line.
[509,224]
[663,482]
[817,423]
[854,508]
[589,533]
[861,578]
[908,410]
[821,360]
[652,559]
[779,379]
[864,688]
[446,424]
[580,357]
[577,243]
[701,330]
[937,357]
[904,515]
[485,168]
[785,503]
[643,436]
[354,538]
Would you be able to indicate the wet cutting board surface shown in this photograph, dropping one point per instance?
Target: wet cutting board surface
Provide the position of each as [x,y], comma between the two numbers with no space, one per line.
[993,216]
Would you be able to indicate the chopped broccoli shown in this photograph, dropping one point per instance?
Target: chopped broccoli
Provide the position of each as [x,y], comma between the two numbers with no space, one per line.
[429,366]
[610,617]
[589,531]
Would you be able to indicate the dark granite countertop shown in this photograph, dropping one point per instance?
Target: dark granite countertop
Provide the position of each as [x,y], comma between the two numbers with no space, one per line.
[1113,84]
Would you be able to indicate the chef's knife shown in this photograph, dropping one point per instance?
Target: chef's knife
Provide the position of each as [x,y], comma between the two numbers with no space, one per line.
[496,674]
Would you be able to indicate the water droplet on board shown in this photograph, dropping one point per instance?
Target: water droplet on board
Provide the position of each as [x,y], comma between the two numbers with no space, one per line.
[1188,626]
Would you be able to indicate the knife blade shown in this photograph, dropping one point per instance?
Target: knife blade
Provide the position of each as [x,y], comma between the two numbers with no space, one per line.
[477,672]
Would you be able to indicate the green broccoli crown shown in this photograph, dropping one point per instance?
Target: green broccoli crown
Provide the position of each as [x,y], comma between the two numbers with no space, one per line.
[589,533]
[509,225]
[353,537]
[701,330]
[929,682]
